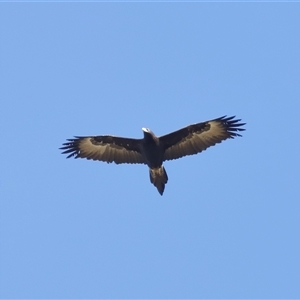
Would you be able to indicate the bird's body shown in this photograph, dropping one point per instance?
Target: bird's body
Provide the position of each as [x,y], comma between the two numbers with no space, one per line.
[153,150]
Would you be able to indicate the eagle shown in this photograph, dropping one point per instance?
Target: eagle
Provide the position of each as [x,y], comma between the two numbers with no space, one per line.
[153,150]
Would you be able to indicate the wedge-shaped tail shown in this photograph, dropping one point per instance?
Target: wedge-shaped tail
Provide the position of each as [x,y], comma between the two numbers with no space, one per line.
[159,177]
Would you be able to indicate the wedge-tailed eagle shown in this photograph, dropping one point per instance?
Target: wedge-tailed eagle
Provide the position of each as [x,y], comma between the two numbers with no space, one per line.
[153,150]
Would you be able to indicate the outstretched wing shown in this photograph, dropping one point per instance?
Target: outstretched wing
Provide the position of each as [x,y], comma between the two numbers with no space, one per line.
[198,137]
[105,148]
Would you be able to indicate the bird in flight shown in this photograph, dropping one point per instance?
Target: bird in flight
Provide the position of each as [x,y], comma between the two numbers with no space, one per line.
[152,150]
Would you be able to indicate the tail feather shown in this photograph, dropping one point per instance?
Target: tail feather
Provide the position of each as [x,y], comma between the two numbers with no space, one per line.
[159,177]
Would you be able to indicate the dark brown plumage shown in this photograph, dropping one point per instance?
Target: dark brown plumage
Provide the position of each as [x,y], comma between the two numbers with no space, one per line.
[152,150]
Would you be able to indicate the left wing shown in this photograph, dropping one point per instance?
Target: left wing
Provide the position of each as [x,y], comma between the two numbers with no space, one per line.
[198,137]
[105,148]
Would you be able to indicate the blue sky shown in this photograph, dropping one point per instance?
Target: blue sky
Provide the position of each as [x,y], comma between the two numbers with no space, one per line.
[228,223]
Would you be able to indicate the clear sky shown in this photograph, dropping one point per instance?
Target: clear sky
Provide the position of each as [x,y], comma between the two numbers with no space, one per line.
[228,223]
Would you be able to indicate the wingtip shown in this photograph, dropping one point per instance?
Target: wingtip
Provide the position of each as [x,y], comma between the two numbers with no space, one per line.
[233,125]
[70,147]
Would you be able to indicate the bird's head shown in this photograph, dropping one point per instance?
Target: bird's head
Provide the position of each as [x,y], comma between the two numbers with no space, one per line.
[147,130]
[148,133]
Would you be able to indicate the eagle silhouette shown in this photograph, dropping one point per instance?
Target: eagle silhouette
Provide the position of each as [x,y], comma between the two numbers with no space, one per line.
[153,150]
